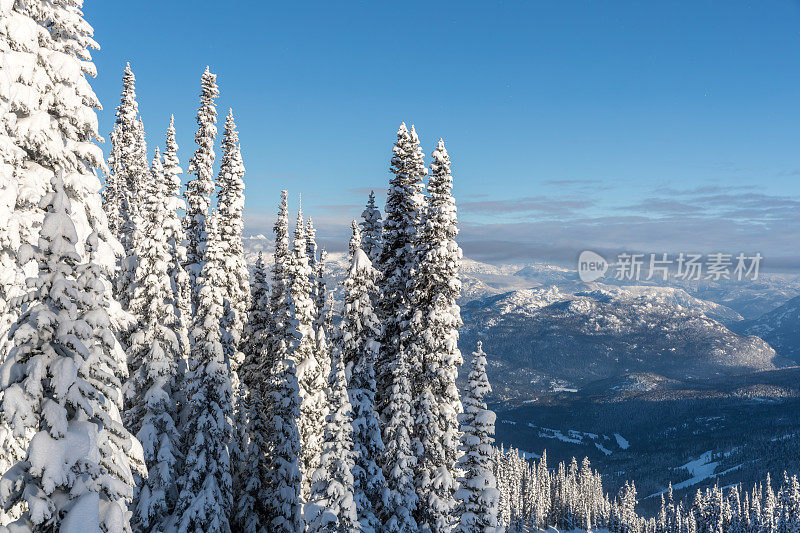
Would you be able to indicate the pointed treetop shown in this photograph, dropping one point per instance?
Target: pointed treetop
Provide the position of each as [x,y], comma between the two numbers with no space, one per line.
[171,144]
[209,84]
[231,134]
[284,208]
[281,229]
[171,165]
[355,238]
[402,131]
[127,109]
[311,242]
[299,230]
[413,133]
[128,78]
[440,153]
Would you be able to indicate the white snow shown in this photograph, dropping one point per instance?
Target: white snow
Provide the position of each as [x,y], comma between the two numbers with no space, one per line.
[701,469]
[621,441]
[84,515]
[602,448]
[528,455]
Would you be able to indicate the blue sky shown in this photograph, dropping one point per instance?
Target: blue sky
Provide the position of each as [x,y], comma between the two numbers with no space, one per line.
[669,126]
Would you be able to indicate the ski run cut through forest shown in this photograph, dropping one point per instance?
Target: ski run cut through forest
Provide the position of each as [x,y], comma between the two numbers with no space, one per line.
[152,380]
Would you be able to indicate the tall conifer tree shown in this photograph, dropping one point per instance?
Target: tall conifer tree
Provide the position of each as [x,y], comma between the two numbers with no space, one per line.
[176,236]
[434,348]
[201,186]
[404,204]
[334,507]
[252,472]
[281,393]
[478,495]
[204,501]
[155,350]
[372,230]
[359,345]
[230,207]
[73,403]
[303,351]
[54,127]
[131,174]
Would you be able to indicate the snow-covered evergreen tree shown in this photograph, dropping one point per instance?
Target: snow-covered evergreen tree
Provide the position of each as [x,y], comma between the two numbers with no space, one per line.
[398,457]
[434,349]
[54,126]
[372,230]
[258,315]
[127,164]
[48,122]
[356,240]
[282,497]
[230,206]
[200,188]
[478,496]
[251,472]
[115,202]
[311,252]
[73,398]
[131,175]
[318,296]
[176,236]
[154,351]
[404,203]
[281,394]
[332,493]
[359,345]
[278,338]
[204,501]
[279,334]
[321,294]
[303,344]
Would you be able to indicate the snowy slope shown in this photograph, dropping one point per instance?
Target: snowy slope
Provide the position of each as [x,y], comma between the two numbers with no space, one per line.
[780,328]
[537,336]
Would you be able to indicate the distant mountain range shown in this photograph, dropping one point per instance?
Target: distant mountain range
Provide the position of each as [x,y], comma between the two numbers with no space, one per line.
[543,328]
[543,339]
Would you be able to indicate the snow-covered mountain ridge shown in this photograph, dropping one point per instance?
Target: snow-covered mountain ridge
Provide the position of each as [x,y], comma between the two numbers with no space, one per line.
[544,335]
[541,325]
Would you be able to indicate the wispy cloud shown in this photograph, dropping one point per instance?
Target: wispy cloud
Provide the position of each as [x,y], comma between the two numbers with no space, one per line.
[534,205]
[703,219]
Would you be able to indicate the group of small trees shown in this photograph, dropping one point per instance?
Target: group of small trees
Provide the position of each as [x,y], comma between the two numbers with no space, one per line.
[534,497]
[572,497]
